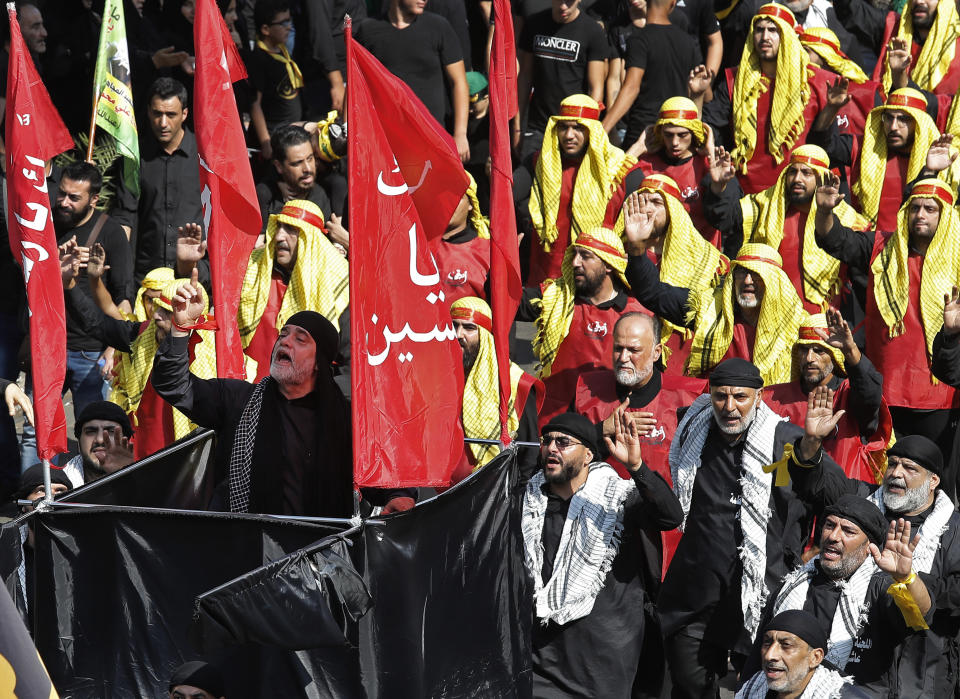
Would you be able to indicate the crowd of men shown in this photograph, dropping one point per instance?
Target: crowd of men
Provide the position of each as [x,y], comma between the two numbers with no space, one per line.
[740,249]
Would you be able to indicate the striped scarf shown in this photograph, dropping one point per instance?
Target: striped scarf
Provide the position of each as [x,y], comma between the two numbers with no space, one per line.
[825,683]
[930,532]
[588,543]
[824,43]
[937,52]
[755,486]
[154,280]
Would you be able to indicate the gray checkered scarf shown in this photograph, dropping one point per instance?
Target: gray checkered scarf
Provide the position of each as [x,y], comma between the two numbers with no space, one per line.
[588,543]
[754,499]
[241,455]
[825,684]
[931,531]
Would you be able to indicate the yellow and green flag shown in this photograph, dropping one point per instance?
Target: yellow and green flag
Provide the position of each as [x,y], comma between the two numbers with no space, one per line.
[112,94]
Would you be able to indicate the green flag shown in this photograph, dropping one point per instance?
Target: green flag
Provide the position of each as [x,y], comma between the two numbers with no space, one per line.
[112,95]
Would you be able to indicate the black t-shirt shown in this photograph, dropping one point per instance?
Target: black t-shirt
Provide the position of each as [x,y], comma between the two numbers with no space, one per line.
[561,53]
[667,54]
[280,102]
[416,54]
[696,17]
[118,279]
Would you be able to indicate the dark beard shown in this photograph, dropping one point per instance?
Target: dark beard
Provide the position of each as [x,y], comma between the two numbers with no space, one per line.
[588,286]
[798,199]
[64,221]
[469,359]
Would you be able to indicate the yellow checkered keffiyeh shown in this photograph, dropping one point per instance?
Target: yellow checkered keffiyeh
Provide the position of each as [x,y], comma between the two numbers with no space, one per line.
[154,280]
[601,171]
[682,112]
[481,224]
[937,52]
[318,281]
[873,152]
[133,368]
[824,43]
[940,271]
[481,392]
[556,305]
[781,313]
[293,70]
[807,335]
[790,96]
[764,214]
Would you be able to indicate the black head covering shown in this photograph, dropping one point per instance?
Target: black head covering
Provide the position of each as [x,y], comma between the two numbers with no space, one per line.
[199,674]
[103,410]
[736,372]
[801,624]
[920,449]
[864,513]
[321,330]
[576,426]
[33,477]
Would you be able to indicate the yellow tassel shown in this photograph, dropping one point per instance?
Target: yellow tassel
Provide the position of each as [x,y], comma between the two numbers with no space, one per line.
[782,477]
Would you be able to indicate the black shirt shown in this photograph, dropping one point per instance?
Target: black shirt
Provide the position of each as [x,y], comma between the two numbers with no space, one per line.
[416,54]
[561,53]
[118,279]
[271,200]
[280,101]
[696,17]
[169,198]
[667,54]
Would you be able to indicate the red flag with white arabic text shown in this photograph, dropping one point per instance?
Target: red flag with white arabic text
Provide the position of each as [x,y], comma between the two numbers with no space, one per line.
[34,133]
[505,285]
[231,216]
[407,370]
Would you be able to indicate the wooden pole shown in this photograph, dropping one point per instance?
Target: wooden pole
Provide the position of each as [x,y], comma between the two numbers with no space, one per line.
[93,129]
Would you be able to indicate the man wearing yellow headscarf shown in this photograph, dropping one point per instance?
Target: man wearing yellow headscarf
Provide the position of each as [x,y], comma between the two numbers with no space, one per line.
[463,251]
[676,149]
[473,323]
[908,270]
[752,314]
[765,107]
[575,314]
[578,184]
[891,153]
[782,216]
[297,269]
[150,288]
[155,423]
[825,354]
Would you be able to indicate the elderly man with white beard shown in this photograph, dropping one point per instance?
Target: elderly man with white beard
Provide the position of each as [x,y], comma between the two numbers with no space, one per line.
[744,528]
[910,490]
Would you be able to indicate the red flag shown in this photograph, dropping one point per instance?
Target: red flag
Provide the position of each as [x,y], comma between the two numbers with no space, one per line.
[231,215]
[505,285]
[407,370]
[34,133]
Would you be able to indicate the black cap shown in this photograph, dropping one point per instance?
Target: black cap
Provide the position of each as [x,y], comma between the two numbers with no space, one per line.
[199,674]
[801,624]
[32,478]
[321,330]
[576,426]
[921,450]
[736,372]
[103,410]
[863,513]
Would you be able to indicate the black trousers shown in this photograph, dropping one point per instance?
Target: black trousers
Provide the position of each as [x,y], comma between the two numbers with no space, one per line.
[696,666]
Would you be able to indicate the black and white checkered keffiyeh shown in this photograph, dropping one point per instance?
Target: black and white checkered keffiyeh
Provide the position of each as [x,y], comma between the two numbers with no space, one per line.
[754,499]
[826,683]
[851,610]
[588,543]
[931,531]
[241,455]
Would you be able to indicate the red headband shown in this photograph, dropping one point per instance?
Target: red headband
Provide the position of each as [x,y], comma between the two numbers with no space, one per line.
[813,39]
[471,316]
[757,258]
[685,114]
[572,111]
[588,241]
[658,185]
[809,160]
[907,101]
[808,332]
[303,215]
[778,12]
[932,190]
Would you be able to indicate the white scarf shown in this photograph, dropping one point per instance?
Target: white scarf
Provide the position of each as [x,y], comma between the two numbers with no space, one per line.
[851,610]
[936,524]
[755,485]
[825,684]
[588,543]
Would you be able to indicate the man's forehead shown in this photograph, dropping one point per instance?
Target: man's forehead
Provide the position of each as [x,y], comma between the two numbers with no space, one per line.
[731,390]
[778,635]
[465,324]
[571,124]
[903,461]
[837,520]
[764,23]
[296,330]
[100,425]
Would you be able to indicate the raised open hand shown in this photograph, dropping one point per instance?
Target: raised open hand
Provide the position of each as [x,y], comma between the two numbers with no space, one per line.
[637,225]
[837,94]
[97,262]
[898,56]
[625,445]
[896,558]
[722,169]
[828,193]
[951,312]
[118,450]
[821,420]
[191,245]
[699,81]
[69,261]
[939,155]
[838,333]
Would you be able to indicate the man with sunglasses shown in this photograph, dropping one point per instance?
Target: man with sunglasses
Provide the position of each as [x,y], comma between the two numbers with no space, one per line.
[592,549]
